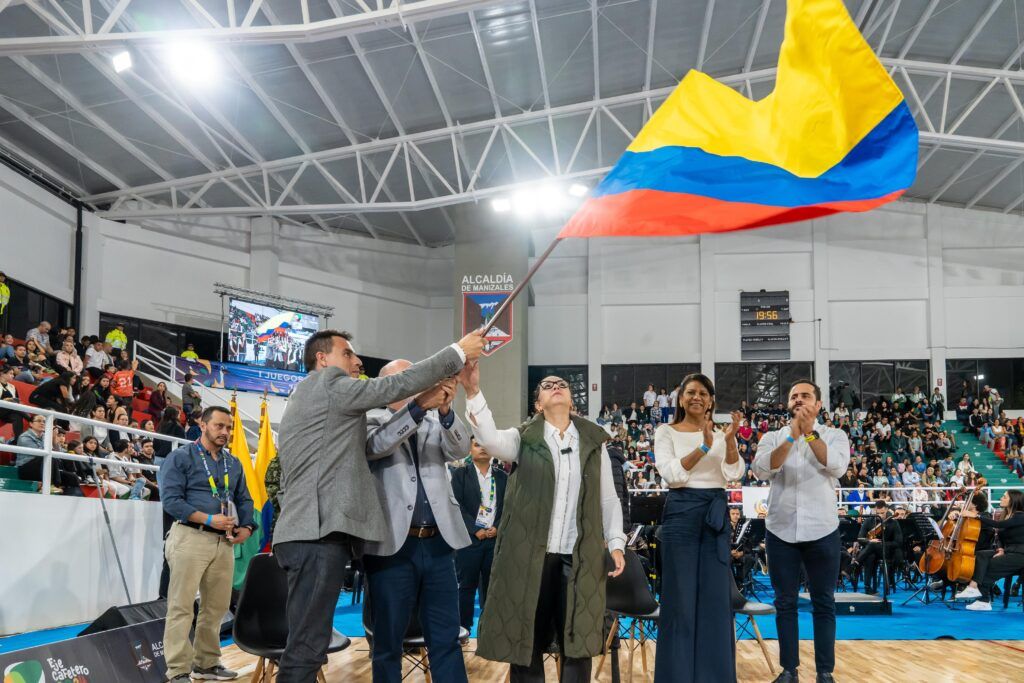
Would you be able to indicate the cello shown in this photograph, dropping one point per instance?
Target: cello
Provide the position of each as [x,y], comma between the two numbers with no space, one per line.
[960,565]
[955,550]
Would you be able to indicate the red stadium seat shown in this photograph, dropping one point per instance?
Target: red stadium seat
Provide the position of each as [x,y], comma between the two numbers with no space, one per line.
[24,391]
[6,432]
[140,405]
[73,436]
[140,416]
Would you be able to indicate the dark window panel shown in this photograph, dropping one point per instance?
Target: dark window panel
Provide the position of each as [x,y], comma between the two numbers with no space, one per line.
[877,381]
[998,373]
[617,384]
[575,375]
[730,386]
[763,383]
[844,380]
[789,373]
[960,379]
[913,373]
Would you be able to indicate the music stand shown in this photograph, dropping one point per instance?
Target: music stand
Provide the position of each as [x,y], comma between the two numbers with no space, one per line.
[921,526]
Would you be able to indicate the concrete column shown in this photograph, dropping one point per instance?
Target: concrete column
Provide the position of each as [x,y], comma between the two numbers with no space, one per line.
[936,303]
[708,312]
[263,258]
[491,257]
[595,337]
[819,280]
[92,273]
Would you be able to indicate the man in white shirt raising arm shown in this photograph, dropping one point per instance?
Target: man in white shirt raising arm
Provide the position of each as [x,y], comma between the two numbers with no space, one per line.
[560,508]
[803,461]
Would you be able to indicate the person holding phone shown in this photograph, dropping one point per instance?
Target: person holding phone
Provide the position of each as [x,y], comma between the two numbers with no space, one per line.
[203,488]
[696,460]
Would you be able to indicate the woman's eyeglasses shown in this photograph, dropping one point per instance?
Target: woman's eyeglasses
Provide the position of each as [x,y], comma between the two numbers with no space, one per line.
[548,385]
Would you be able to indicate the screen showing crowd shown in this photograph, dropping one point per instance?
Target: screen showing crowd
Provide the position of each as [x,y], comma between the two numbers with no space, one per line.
[268,336]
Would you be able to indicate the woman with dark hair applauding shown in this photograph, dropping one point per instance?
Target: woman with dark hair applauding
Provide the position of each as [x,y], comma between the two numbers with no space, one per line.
[1007,560]
[696,641]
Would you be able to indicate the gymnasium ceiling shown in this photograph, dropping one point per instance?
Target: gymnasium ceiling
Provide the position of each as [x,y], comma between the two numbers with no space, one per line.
[377,117]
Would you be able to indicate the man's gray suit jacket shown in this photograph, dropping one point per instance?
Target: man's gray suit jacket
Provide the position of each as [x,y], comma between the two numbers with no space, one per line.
[326,484]
[391,462]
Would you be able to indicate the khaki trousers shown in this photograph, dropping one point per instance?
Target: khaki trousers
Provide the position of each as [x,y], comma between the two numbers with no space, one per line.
[203,562]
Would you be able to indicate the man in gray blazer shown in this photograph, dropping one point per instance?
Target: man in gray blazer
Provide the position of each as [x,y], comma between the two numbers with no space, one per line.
[329,500]
[409,445]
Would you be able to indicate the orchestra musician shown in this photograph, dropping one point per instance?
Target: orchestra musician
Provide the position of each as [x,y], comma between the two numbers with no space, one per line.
[872,533]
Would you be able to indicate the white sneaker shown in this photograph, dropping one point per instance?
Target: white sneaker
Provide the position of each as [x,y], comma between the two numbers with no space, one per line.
[968,593]
[979,606]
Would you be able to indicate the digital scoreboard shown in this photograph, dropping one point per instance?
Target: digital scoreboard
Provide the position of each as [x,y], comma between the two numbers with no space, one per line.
[764,325]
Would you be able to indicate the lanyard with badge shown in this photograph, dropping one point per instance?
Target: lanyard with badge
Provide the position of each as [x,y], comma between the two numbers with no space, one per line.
[227,506]
[483,515]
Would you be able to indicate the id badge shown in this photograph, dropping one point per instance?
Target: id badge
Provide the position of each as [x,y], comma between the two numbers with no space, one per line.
[228,509]
[481,517]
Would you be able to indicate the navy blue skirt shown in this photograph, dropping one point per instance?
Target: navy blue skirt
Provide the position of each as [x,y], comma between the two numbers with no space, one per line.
[696,640]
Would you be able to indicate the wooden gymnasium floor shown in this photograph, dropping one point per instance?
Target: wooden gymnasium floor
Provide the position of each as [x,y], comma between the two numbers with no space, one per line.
[891,661]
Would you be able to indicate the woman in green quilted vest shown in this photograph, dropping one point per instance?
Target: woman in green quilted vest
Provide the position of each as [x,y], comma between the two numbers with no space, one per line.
[560,511]
[696,642]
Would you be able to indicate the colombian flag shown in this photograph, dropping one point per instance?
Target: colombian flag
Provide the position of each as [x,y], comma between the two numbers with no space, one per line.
[257,491]
[265,452]
[834,135]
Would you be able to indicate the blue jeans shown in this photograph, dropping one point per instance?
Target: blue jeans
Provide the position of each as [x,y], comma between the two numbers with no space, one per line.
[820,560]
[137,488]
[421,574]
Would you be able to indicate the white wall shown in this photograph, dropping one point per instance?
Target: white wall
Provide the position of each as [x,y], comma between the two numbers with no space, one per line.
[37,236]
[58,564]
[906,282]
[386,295]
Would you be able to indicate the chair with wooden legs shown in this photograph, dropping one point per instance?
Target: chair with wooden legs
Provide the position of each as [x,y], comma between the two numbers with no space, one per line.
[261,624]
[629,597]
[741,607]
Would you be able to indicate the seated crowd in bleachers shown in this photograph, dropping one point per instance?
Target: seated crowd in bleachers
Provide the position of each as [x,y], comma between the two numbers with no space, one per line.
[897,444]
[95,379]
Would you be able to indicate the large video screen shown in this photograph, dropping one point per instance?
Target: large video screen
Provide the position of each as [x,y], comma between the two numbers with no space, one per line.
[268,336]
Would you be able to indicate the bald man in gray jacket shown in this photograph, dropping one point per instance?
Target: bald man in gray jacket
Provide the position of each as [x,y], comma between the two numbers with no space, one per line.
[329,498]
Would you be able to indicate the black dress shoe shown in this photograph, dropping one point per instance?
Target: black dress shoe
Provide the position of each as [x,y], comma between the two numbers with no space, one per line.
[787,676]
[825,678]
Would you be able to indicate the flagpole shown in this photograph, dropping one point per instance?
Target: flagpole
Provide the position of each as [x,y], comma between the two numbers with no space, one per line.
[519,288]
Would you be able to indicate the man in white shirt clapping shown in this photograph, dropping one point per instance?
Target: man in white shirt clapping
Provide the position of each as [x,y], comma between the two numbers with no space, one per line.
[803,461]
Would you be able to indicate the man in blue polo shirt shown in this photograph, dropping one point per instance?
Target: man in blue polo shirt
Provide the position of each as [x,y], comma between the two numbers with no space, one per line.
[203,488]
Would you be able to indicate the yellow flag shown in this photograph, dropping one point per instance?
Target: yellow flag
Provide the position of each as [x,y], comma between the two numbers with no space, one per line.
[266,450]
[240,449]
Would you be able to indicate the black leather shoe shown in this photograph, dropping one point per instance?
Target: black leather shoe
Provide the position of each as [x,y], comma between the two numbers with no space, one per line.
[825,678]
[787,676]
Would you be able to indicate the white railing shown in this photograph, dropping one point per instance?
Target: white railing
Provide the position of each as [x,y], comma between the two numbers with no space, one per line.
[162,365]
[868,503]
[48,454]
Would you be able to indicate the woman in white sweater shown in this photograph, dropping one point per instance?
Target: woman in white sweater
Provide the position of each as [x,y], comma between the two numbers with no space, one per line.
[696,640]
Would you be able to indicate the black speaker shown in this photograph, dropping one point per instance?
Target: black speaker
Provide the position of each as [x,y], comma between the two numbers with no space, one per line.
[116,617]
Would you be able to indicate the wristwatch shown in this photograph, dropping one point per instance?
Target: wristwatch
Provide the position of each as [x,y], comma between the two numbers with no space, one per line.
[812,436]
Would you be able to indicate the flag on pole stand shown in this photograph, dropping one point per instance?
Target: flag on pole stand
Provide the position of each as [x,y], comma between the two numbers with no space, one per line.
[240,449]
[834,135]
[266,451]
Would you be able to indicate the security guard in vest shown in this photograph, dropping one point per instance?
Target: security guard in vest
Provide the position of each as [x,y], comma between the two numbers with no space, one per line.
[561,497]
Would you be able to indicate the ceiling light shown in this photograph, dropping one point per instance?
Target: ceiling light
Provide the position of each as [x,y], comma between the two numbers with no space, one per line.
[501,205]
[578,190]
[193,63]
[525,204]
[122,61]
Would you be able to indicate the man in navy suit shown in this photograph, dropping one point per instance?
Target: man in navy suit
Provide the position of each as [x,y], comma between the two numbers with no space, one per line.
[480,490]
